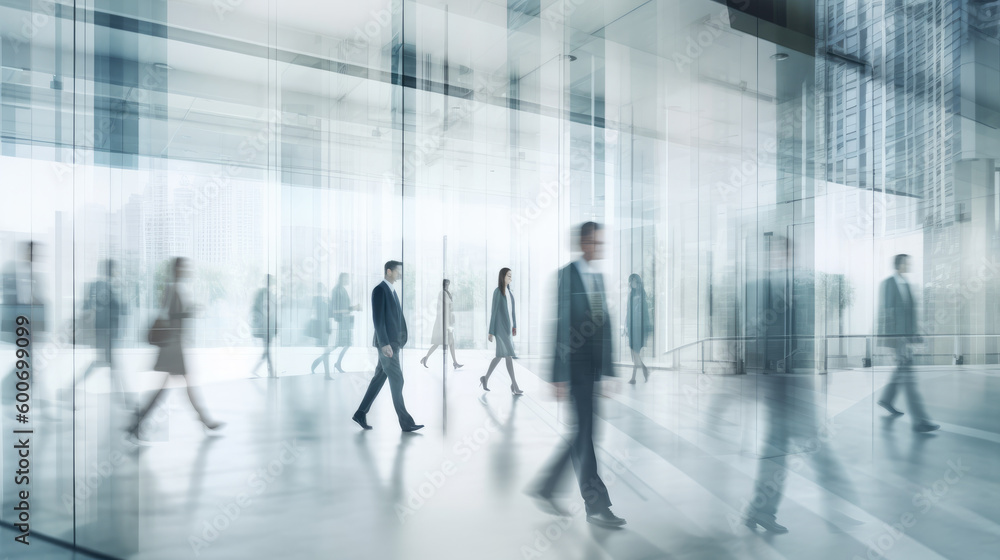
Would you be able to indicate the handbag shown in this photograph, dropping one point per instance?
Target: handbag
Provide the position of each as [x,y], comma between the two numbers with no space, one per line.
[159,332]
[314,329]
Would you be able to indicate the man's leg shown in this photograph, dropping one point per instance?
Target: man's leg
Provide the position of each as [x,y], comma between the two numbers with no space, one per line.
[592,488]
[373,388]
[548,483]
[914,402]
[889,393]
[267,356]
[395,374]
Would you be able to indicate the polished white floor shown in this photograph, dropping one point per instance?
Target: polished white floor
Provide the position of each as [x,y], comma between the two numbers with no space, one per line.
[679,454]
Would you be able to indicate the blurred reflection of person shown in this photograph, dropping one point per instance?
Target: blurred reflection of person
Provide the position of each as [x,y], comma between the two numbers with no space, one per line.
[23,292]
[264,321]
[390,337]
[102,301]
[637,324]
[583,355]
[177,310]
[783,326]
[319,328]
[445,321]
[23,295]
[341,310]
[503,325]
[897,329]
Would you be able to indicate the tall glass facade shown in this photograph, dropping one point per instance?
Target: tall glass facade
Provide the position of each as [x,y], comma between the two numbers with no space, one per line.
[758,164]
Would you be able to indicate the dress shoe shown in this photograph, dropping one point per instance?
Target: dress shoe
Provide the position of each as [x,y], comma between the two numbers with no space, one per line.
[360,419]
[765,521]
[925,427]
[604,518]
[413,428]
[891,409]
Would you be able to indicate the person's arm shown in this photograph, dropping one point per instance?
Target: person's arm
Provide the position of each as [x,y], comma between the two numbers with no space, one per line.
[628,315]
[884,309]
[378,316]
[513,313]
[560,369]
[494,313]
[647,323]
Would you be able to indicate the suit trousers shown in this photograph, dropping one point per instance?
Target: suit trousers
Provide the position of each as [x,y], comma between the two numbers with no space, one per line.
[580,449]
[388,368]
[793,428]
[903,375]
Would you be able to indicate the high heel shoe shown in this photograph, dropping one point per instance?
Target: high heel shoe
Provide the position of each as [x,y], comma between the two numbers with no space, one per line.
[516,393]
[456,365]
[423,361]
[338,368]
[482,382]
[645,373]
[767,522]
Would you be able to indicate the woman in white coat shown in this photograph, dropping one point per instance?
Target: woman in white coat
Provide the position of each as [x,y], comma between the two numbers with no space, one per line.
[445,321]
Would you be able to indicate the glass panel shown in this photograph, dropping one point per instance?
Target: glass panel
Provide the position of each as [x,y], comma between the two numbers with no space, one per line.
[800,209]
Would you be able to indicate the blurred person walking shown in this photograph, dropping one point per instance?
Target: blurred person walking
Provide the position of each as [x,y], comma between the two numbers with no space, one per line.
[898,330]
[102,309]
[23,292]
[342,312]
[319,328]
[264,322]
[445,320]
[503,325]
[638,325]
[582,358]
[170,333]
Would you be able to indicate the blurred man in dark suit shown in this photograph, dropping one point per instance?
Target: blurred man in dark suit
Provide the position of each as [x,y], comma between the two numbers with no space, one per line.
[582,356]
[897,329]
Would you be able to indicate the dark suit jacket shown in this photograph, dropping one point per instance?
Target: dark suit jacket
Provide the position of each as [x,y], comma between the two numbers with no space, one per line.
[390,326]
[103,299]
[897,317]
[583,347]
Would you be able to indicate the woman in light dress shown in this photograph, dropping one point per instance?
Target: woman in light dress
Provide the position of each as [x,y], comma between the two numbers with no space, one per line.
[503,325]
[445,321]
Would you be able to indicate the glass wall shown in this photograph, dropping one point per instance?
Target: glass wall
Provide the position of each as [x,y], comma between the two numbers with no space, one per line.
[758,179]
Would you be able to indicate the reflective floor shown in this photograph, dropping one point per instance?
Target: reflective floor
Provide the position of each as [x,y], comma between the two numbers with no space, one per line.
[293,477]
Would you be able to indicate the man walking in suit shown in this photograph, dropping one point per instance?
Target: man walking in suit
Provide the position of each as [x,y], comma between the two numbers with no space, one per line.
[897,329]
[583,355]
[390,337]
